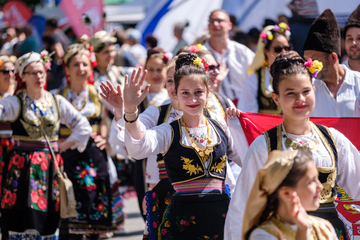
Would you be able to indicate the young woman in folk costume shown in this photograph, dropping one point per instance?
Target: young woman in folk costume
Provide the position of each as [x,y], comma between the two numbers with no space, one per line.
[285,188]
[7,88]
[196,169]
[256,95]
[155,65]
[30,197]
[160,189]
[99,204]
[334,155]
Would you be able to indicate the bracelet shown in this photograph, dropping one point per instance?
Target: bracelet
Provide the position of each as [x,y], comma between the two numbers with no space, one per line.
[132,120]
[132,113]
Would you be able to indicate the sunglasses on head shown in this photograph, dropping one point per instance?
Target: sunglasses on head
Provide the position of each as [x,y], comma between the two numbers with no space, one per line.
[7,71]
[213,67]
[278,49]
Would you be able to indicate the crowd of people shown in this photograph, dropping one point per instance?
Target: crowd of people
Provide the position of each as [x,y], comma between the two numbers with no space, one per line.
[123,120]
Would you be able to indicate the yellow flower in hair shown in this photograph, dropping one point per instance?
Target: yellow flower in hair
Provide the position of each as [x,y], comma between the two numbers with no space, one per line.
[197,61]
[270,37]
[200,46]
[318,65]
[13,58]
[283,25]
[312,69]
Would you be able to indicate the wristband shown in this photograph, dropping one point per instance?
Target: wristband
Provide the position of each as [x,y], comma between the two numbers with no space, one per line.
[132,120]
[132,113]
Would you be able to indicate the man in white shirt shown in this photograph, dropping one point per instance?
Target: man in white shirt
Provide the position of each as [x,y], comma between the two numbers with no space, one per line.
[352,40]
[236,56]
[11,40]
[336,86]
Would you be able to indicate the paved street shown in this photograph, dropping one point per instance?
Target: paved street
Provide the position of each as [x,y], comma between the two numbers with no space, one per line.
[134,224]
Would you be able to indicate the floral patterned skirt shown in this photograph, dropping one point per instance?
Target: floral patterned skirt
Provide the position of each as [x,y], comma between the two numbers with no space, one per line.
[195,217]
[30,198]
[89,174]
[157,201]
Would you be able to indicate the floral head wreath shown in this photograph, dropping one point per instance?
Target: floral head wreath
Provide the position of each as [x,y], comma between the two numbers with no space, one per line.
[201,63]
[84,39]
[281,28]
[314,67]
[196,48]
[46,57]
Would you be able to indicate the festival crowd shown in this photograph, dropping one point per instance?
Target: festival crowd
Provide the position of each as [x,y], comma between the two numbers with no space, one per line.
[88,122]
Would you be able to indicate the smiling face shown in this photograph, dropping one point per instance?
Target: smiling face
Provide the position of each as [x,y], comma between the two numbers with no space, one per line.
[156,71]
[309,187]
[79,68]
[296,96]
[34,75]
[192,94]
[6,75]
[352,43]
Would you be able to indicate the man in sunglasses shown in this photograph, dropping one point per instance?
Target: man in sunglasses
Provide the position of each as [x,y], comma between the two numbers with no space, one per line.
[336,86]
[236,56]
[352,40]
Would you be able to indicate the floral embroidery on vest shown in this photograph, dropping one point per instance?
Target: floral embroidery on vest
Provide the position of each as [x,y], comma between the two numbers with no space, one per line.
[218,167]
[191,169]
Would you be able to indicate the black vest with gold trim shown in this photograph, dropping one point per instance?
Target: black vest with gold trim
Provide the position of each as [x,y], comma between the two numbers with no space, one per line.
[183,163]
[94,119]
[265,101]
[327,176]
[26,129]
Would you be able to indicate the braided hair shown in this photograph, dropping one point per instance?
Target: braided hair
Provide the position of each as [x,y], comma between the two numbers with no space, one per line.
[287,64]
[184,66]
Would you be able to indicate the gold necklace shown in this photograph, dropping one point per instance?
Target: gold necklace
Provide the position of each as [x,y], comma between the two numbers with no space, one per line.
[204,153]
[311,146]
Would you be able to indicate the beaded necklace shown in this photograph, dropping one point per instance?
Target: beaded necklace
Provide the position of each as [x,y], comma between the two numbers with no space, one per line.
[204,153]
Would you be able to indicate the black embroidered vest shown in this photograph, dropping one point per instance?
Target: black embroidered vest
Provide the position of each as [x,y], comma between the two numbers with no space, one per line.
[94,120]
[327,176]
[183,163]
[27,129]
[265,101]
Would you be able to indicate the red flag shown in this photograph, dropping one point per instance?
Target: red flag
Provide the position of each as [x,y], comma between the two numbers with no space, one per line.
[254,124]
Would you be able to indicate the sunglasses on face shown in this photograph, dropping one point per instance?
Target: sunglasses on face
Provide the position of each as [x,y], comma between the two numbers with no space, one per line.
[7,71]
[213,67]
[278,49]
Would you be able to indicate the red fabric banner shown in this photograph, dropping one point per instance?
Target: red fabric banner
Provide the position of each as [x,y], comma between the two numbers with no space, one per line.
[254,124]
[16,13]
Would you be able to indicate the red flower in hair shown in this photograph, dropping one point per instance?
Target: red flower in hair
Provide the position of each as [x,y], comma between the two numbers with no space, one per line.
[206,66]
[194,49]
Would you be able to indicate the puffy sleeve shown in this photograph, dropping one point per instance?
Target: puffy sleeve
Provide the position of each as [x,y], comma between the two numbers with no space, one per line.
[156,140]
[248,98]
[348,176]
[79,125]
[357,107]
[9,108]
[255,158]
[148,118]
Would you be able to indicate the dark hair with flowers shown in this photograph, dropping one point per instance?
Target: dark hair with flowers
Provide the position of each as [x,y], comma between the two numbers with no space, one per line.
[158,52]
[185,66]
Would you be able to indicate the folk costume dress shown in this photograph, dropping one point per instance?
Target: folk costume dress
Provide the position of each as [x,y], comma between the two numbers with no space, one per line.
[198,207]
[99,204]
[158,198]
[30,197]
[335,156]
[256,96]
